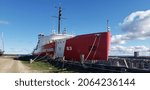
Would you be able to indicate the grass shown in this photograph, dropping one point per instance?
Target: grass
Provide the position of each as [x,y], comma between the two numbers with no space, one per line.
[45,67]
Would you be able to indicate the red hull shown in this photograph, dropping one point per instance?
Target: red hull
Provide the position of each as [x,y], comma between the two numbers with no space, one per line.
[93,46]
[48,49]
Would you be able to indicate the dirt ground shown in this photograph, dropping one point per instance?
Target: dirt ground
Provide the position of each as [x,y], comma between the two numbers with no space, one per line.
[9,65]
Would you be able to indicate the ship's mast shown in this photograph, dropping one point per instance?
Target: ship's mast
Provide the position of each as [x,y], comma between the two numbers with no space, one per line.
[59,18]
[2,44]
[3,41]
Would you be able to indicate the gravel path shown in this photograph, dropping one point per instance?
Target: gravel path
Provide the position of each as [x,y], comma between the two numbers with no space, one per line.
[8,65]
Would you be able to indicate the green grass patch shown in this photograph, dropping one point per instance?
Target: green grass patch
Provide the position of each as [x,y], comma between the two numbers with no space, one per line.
[45,67]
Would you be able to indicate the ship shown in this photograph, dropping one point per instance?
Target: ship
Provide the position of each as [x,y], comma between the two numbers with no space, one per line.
[2,45]
[92,46]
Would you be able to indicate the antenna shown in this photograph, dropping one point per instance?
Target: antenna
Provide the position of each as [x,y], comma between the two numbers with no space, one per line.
[108,28]
[59,18]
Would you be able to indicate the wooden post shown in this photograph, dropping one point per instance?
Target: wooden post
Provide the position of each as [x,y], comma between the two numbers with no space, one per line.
[131,64]
[137,64]
[82,58]
[142,65]
[149,65]
[63,62]
[111,63]
[117,63]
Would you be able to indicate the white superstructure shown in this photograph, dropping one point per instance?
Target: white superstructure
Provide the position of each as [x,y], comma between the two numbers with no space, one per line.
[43,40]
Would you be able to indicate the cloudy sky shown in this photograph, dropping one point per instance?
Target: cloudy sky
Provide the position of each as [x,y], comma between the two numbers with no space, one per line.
[136,27]
[22,20]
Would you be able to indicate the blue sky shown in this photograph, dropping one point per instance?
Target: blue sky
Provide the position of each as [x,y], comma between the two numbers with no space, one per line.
[22,20]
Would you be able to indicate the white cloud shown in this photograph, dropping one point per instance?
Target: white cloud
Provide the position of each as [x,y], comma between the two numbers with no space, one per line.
[3,22]
[129,50]
[136,26]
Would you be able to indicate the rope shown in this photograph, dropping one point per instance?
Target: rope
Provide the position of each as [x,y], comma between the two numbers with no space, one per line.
[125,63]
[42,57]
[91,48]
[31,61]
[36,57]
[96,48]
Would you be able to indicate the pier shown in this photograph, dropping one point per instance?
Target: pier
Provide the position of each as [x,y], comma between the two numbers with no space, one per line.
[115,64]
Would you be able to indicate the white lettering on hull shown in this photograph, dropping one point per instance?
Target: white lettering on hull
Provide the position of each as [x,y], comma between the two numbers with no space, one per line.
[69,48]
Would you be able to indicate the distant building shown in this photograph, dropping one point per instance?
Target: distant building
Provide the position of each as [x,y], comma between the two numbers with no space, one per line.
[136,54]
